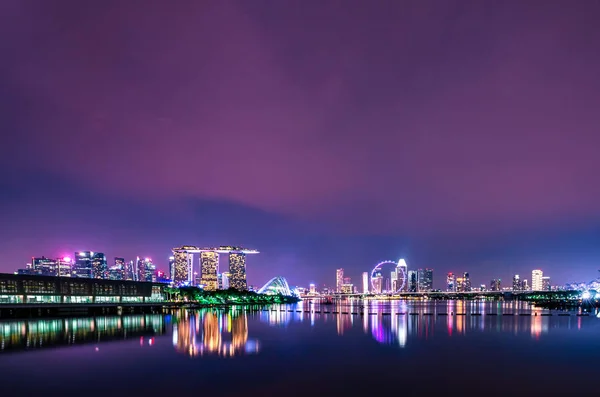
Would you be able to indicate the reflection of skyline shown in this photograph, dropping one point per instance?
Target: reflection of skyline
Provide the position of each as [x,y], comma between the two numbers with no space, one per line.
[212,332]
[40,333]
[397,322]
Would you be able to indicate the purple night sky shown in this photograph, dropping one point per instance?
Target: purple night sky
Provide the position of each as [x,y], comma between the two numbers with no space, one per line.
[460,135]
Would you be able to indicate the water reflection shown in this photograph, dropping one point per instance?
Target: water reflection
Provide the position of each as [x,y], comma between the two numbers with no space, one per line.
[397,322]
[40,333]
[212,332]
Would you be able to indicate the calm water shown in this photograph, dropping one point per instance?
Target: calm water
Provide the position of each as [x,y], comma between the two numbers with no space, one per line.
[285,350]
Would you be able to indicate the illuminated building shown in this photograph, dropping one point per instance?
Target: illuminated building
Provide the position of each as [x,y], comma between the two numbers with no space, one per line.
[450,282]
[129,271]
[401,276]
[459,285]
[546,284]
[277,286]
[365,281]
[182,267]
[339,280]
[424,280]
[536,280]
[223,280]
[99,265]
[312,289]
[377,282]
[496,285]
[209,268]
[83,264]
[237,271]
[145,270]
[117,271]
[517,285]
[466,282]
[413,281]
[171,267]
[347,289]
[183,271]
[149,274]
[525,285]
[44,266]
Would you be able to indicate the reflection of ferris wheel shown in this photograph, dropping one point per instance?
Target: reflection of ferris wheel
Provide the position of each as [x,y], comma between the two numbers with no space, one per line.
[400,274]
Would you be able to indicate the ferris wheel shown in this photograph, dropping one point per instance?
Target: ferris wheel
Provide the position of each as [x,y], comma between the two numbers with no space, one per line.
[401,275]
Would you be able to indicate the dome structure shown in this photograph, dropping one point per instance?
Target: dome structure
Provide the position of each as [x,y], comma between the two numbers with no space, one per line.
[277,286]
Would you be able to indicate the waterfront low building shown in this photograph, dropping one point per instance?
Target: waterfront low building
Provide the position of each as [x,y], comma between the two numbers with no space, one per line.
[32,289]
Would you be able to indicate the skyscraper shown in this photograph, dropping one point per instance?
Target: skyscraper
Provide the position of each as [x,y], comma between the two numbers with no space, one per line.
[377,282]
[209,268]
[401,276]
[182,267]
[339,280]
[171,267]
[425,280]
[44,266]
[117,271]
[496,285]
[223,280]
[394,278]
[413,277]
[83,264]
[517,284]
[546,283]
[365,281]
[450,282]
[237,271]
[536,280]
[467,285]
[459,285]
[99,265]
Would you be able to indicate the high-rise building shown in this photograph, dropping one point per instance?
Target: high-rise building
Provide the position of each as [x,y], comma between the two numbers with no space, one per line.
[525,285]
[63,266]
[451,282]
[394,282]
[536,280]
[466,282]
[182,267]
[424,280]
[517,284]
[459,285]
[223,280]
[413,278]
[129,272]
[347,289]
[365,281]
[546,283]
[117,271]
[401,276]
[312,289]
[339,280]
[82,267]
[237,271]
[149,271]
[496,285]
[377,282]
[209,268]
[99,265]
[44,266]
[171,267]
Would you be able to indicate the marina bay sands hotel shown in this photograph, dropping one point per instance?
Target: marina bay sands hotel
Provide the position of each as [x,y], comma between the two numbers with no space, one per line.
[182,267]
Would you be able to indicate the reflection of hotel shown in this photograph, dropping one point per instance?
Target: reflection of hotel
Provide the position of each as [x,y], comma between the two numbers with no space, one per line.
[213,332]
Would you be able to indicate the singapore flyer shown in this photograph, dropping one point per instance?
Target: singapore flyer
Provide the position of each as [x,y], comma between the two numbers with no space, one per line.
[389,277]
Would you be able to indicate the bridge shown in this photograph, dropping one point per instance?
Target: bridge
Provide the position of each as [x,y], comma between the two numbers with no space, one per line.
[507,295]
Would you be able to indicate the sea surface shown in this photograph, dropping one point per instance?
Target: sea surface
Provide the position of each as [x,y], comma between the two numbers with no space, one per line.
[346,349]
